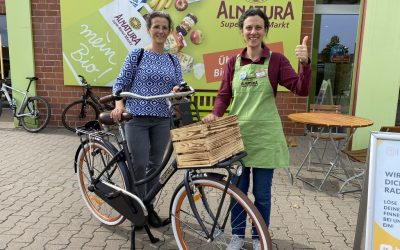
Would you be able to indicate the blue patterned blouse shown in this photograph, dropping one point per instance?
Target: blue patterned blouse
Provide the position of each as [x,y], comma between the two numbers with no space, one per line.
[156,75]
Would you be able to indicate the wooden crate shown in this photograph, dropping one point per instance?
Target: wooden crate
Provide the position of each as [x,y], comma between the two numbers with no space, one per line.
[205,144]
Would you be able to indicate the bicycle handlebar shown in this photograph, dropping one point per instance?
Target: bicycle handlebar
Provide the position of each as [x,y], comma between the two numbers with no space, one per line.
[83,80]
[110,98]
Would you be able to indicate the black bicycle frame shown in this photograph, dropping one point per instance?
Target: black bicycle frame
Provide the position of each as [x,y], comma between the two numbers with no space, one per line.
[124,155]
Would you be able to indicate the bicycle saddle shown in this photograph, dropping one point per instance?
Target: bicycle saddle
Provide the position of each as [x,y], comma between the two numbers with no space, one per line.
[106,119]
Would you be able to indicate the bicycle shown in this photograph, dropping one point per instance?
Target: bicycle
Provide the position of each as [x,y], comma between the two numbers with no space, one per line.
[86,109]
[200,206]
[33,113]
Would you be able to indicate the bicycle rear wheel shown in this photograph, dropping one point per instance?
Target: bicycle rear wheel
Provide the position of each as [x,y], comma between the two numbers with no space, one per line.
[92,158]
[78,113]
[208,196]
[36,113]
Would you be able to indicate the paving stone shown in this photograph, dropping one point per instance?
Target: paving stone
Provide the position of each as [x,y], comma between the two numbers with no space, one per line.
[38,243]
[6,239]
[315,236]
[321,246]
[18,229]
[300,239]
[78,243]
[11,221]
[282,244]
[55,247]
[338,242]
[52,230]
[279,233]
[309,224]
[28,235]
[41,206]
[63,237]
[87,231]
[17,245]
[331,231]
[99,239]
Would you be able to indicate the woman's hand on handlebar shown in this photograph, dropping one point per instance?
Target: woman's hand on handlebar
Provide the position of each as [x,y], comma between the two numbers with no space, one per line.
[210,117]
[182,87]
[176,89]
[116,113]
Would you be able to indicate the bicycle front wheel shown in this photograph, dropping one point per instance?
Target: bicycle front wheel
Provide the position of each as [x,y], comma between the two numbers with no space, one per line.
[208,196]
[36,114]
[78,113]
[91,160]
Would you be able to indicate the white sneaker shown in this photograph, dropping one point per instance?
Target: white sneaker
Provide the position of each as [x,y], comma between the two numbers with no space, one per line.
[236,243]
[256,244]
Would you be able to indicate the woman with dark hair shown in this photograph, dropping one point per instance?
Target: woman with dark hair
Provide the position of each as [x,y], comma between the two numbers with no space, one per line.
[250,81]
[148,72]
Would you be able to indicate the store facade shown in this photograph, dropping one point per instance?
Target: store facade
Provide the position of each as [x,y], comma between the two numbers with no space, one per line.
[35,41]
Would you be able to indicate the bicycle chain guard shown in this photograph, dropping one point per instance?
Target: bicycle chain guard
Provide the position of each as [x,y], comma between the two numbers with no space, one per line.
[122,201]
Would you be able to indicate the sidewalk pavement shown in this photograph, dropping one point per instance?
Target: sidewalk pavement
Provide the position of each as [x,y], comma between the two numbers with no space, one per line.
[41,207]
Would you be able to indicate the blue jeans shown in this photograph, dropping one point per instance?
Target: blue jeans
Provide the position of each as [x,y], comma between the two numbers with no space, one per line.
[262,183]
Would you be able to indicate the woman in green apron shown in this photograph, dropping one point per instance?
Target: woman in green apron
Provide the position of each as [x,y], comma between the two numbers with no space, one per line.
[249,85]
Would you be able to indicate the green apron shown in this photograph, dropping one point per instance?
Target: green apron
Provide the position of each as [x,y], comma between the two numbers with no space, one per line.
[259,120]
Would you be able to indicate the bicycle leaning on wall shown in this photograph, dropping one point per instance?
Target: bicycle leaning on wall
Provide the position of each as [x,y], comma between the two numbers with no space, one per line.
[86,109]
[200,208]
[34,111]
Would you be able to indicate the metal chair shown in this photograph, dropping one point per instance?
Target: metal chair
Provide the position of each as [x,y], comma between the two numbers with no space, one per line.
[326,136]
[291,143]
[361,156]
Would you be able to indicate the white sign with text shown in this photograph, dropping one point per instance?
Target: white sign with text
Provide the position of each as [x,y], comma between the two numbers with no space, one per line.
[383,209]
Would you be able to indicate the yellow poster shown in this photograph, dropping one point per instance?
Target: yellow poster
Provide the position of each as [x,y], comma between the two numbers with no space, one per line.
[98,34]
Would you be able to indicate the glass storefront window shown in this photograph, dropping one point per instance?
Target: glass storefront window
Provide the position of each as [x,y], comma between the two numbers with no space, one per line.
[334,44]
[338,1]
[4,45]
[3,31]
[336,48]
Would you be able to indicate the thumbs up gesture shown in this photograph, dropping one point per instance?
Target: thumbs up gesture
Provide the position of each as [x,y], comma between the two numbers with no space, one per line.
[301,51]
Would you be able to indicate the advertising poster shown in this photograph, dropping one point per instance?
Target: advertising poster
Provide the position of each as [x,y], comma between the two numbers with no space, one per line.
[98,34]
[383,218]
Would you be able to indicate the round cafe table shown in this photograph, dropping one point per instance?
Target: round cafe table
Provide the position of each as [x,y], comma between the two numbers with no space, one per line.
[330,120]
[325,122]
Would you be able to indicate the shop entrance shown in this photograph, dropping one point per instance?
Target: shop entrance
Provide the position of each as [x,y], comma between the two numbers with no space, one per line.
[335,34]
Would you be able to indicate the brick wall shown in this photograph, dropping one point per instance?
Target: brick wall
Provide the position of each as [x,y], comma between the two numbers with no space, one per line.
[46,23]
[2,7]
[287,102]
[49,65]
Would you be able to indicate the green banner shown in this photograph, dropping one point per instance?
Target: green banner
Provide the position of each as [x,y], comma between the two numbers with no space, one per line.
[98,34]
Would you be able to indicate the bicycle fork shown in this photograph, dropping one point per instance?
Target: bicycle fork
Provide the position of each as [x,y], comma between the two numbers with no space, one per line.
[192,195]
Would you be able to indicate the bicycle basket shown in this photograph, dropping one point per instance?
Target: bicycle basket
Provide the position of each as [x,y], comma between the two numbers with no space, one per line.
[205,144]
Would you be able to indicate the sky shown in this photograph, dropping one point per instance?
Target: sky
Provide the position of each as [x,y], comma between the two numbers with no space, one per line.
[344,26]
